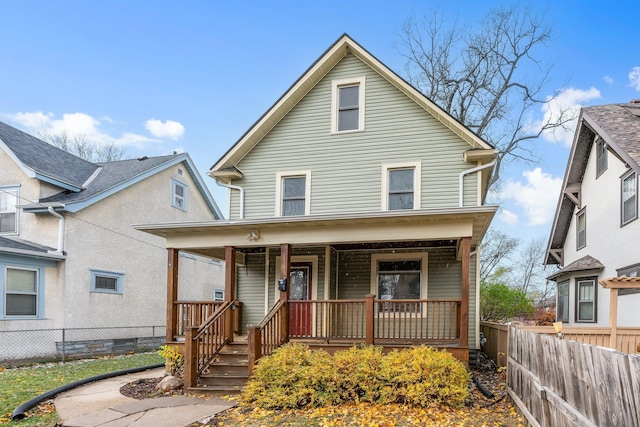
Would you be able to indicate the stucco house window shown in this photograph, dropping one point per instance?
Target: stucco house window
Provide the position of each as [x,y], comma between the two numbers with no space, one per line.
[562,313]
[581,229]
[8,211]
[347,105]
[629,199]
[179,195]
[586,298]
[107,282]
[601,157]
[21,292]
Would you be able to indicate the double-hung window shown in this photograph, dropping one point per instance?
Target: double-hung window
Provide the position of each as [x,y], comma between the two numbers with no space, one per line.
[178,195]
[400,186]
[399,277]
[292,193]
[21,292]
[562,312]
[581,229]
[629,198]
[347,105]
[8,211]
[586,299]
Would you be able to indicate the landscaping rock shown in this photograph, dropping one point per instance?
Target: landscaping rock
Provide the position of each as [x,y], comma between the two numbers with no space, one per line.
[169,383]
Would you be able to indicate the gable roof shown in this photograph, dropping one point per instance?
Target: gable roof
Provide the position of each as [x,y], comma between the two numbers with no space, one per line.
[619,126]
[86,183]
[43,161]
[585,263]
[329,59]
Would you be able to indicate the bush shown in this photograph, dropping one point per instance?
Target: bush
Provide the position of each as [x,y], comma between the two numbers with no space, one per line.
[545,317]
[499,302]
[295,376]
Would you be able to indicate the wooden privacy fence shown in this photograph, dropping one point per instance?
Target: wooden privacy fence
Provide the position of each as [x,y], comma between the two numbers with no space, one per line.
[557,382]
[627,338]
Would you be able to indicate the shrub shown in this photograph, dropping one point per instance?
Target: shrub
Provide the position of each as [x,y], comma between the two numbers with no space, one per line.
[424,376]
[295,376]
[174,360]
[545,317]
[292,377]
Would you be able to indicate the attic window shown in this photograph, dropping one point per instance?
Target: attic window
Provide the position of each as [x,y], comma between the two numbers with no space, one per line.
[601,157]
[347,105]
[179,195]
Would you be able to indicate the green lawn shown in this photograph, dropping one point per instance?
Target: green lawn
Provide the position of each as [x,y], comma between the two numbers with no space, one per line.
[21,384]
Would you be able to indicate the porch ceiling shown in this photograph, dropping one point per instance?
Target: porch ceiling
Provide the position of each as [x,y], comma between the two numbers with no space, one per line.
[209,238]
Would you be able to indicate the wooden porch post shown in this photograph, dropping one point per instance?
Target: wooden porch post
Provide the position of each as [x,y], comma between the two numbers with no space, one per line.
[285,271]
[613,318]
[172,294]
[190,358]
[369,318]
[255,346]
[229,287]
[464,305]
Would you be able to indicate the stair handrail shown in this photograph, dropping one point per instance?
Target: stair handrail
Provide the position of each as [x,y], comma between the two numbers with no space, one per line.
[205,342]
[257,345]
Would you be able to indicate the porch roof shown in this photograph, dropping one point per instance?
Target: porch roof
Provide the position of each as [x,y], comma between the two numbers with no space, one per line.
[209,238]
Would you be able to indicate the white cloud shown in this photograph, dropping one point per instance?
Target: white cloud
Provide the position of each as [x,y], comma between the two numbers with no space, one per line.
[75,125]
[634,78]
[566,105]
[538,196]
[608,80]
[508,217]
[167,129]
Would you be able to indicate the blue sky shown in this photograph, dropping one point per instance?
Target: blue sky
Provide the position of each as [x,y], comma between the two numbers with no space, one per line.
[158,76]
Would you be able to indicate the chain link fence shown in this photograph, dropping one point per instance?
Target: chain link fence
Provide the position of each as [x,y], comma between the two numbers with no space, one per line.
[19,347]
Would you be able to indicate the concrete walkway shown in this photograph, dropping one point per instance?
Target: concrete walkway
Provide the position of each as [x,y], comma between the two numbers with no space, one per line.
[101,404]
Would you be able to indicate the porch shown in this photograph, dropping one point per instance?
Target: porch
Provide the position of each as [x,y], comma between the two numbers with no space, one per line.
[392,279]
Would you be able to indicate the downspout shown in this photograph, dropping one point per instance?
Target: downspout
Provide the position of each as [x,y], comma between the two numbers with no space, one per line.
[60,249]
[234,187]
[469,171]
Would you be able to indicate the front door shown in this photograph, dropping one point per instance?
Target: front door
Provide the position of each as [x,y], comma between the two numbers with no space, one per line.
[300,312]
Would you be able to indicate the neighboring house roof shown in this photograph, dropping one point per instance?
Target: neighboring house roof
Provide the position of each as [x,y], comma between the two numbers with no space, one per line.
[311,77]
[619,126]
[43,161]
[15,246]
[86,183]
[585,263]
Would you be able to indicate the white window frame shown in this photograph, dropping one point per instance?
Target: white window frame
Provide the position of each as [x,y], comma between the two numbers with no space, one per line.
[625,177]
[110,274]
[6,191]
[218,294]
[335,86]
[175,183]
[593,301]
[38,292]
[581,213]
[417,180]
[405,256]
[280,176]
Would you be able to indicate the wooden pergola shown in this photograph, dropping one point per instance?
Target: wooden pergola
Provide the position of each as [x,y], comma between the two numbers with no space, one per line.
[614,284]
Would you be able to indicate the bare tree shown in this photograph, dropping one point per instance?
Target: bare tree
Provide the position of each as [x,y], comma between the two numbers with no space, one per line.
[80,146]
[497,248]
[530,272]
[490,77]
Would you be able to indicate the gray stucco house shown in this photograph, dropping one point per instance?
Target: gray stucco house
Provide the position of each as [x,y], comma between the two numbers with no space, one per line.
[69,257]
[356,212]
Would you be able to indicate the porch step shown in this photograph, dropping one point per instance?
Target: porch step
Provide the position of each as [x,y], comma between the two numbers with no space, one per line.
[216,391]
[229,371]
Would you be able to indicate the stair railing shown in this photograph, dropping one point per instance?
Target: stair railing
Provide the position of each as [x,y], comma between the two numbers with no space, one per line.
[202,344]
[270,334]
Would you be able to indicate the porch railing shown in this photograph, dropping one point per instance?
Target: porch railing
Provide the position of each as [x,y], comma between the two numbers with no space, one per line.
[193,313]
[203,343]
[374,320]
[270,334]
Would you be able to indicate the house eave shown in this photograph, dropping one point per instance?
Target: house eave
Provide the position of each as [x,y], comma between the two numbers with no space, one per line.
[34,254]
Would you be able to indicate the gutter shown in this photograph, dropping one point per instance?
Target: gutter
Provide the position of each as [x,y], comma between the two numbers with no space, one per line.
[60,249]
[18,413]
[467,172]
[233,187]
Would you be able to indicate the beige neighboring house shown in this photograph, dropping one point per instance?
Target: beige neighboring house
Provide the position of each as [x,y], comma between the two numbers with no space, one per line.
[69,256]
[596,230]
[356,211]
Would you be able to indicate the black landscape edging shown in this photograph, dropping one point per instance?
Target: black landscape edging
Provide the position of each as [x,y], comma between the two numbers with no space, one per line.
[18,413]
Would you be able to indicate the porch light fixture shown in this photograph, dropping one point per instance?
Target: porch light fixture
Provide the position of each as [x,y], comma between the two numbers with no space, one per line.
[558,327]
